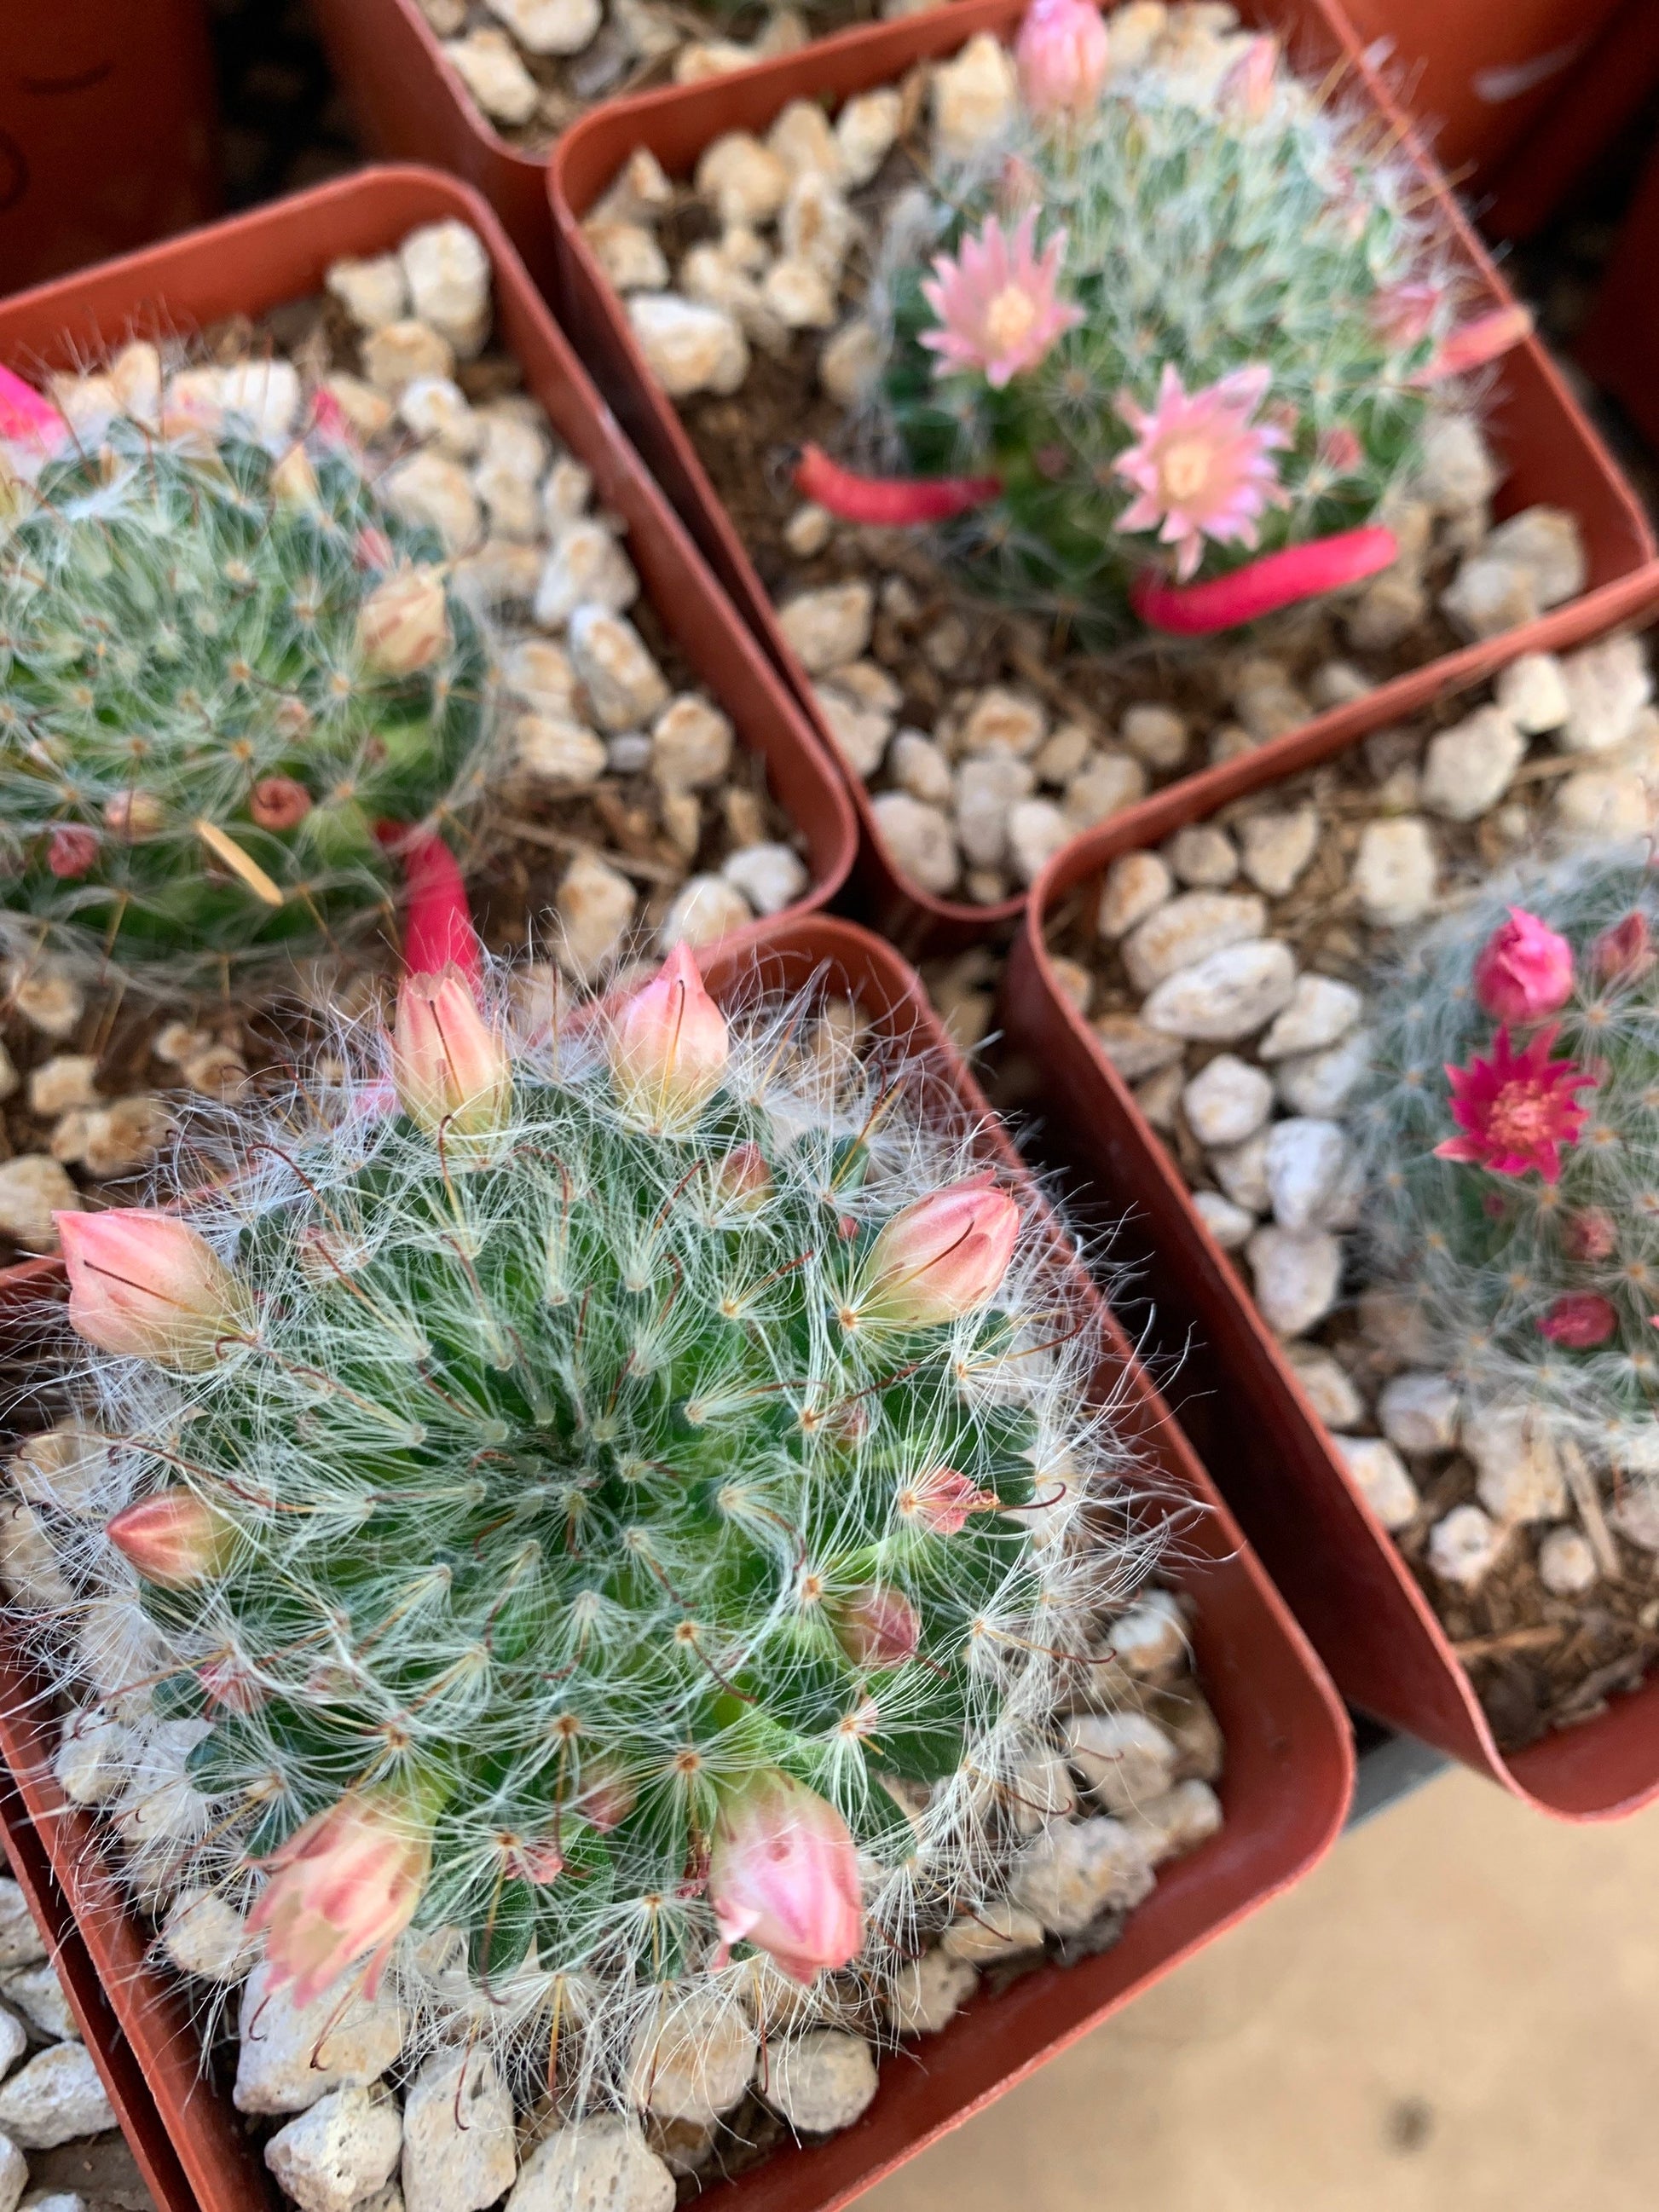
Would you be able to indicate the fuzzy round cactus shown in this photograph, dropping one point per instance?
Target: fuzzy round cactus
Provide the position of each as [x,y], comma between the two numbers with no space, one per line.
[1510,1130]
[607,1505]
[1182,318]
[228,677]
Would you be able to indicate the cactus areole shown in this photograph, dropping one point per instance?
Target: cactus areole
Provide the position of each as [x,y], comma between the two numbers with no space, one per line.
[224,667]
[607,1508]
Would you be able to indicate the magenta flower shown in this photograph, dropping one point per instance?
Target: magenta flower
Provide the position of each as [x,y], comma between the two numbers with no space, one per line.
[1524,971]
[1517,1110]
[783,1874]
[1202,468]
[996,302]
[1580,1320]
[1062,54]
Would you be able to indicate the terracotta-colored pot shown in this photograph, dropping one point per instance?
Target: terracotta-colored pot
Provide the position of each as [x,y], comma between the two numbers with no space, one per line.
[1287,1786]
[1620,344]
[106,130]
[1550,451]
[1476,74]
[1586,114]
[256,261]
[1345,1580]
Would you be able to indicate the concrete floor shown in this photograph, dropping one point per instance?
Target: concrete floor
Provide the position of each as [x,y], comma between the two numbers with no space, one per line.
[1458,2012]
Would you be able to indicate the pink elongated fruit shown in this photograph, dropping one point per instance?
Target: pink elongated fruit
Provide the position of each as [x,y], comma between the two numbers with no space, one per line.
[1486,339]
[438,930]
[888,502]
[342,1888]
[1262,587]
[148,1286]
[783,1874]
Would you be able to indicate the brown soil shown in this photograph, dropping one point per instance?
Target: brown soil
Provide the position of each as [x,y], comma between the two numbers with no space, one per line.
[1537,1661]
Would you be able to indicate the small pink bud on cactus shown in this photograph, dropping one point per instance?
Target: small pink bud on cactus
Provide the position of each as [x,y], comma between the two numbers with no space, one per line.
[783,1874]
[451,1069]
[279,803]
[1247,89]
[743,1178]
[402,626]
[343,1888]
[1524,971]
[1579,1320]
[145,1286]
[73,850]
[27,419]
[134,815]
[942,1501]
[1062,54]
[669,1045]
[607,1794]
[373,549]
[1590,1235]
[1623,952]
[174,1538]
[943,1257]
[878,1627]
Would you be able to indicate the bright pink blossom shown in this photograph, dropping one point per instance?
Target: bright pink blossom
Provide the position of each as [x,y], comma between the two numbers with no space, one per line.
[72,851]
[172,1538]
[1202,468]
[670,1046]
[1623,952]
[783,1874]
[1062,54]
[878,1626]
[343,1888]
[1580,1320]
[943,1257]
[996,302]
[1524,971]
[146,1285]
[1517,1110]
[27,420]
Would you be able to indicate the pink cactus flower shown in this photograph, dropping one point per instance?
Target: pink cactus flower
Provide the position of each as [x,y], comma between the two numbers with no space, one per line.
[943,1257]
[1247,90]
[146,1286]
[1403,314]
[451,1069]
[1203,470]
[1476,345]
[26,420]
[996,302]
[783,1874]
[1590,1235]
[1579,1322]
[1062,54]
[878,1627]
[1623,952]
[942,1501]
[402,626]
[1524,971]
[73,850]
[173,1539]
[1517,1110]
[343,1888]
[670,1047]
[279,803]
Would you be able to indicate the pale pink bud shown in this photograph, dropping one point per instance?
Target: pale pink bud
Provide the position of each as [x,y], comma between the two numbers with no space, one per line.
[944,1256]
[134,815]
[1402,314]
[1579,1320]
[1589,1235]
[148,1286]
[1524,971]
[227,1684]
[607,1795]
[783,1874]
[540,1861]
[1484,340]
[343,1888]
[373,549]
[670,1046]
[1062,55]
[174,1538]
[73,850]
[1340,451]
[402,626]
[942,1501]
[451,1069]
[1247,90]
[878,1627]
[1625,951]
[743,1178]
[279,803]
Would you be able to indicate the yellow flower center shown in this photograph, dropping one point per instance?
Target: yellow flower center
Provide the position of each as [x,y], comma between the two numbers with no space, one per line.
[1184,467]
[1009,318]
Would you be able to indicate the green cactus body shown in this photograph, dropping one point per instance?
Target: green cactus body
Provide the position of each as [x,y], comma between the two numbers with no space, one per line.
[179,647]
[1197,237]
[1486,1258]
[556,1475]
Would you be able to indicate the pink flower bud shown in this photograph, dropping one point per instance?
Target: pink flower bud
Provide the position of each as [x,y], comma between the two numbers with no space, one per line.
[878,1628]
[451,1069]
[342,1888]
[229,1688]
[1622,953]
[783,1874]
[670,1046]
[174,1538]
[1247,89]
[1062,55]
[1341,451]
[146,1286]
[1402,314]
[403,625]
[607,1795]
[73,850]
[1524,971]
[942,1501]
[1588,1235]
[291,717]
[373,549]
[944,1256]
[743,1178]
[1579,1320]
[134,815]
[279,803]
[540,1861]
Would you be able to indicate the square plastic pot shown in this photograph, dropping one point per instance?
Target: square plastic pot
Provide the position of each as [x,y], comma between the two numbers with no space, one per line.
[1288,1779]
[256,262]
[1271,1455]
[1549,449]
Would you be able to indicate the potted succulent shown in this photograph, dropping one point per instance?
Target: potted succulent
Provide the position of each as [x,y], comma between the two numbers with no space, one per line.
[725,1749]
[1360,1041]
[1018,529]
[361,593]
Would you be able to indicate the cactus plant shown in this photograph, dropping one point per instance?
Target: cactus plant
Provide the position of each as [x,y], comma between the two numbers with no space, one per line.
[223,670]
[1171,322]
[1511,1133]
[615,1495]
